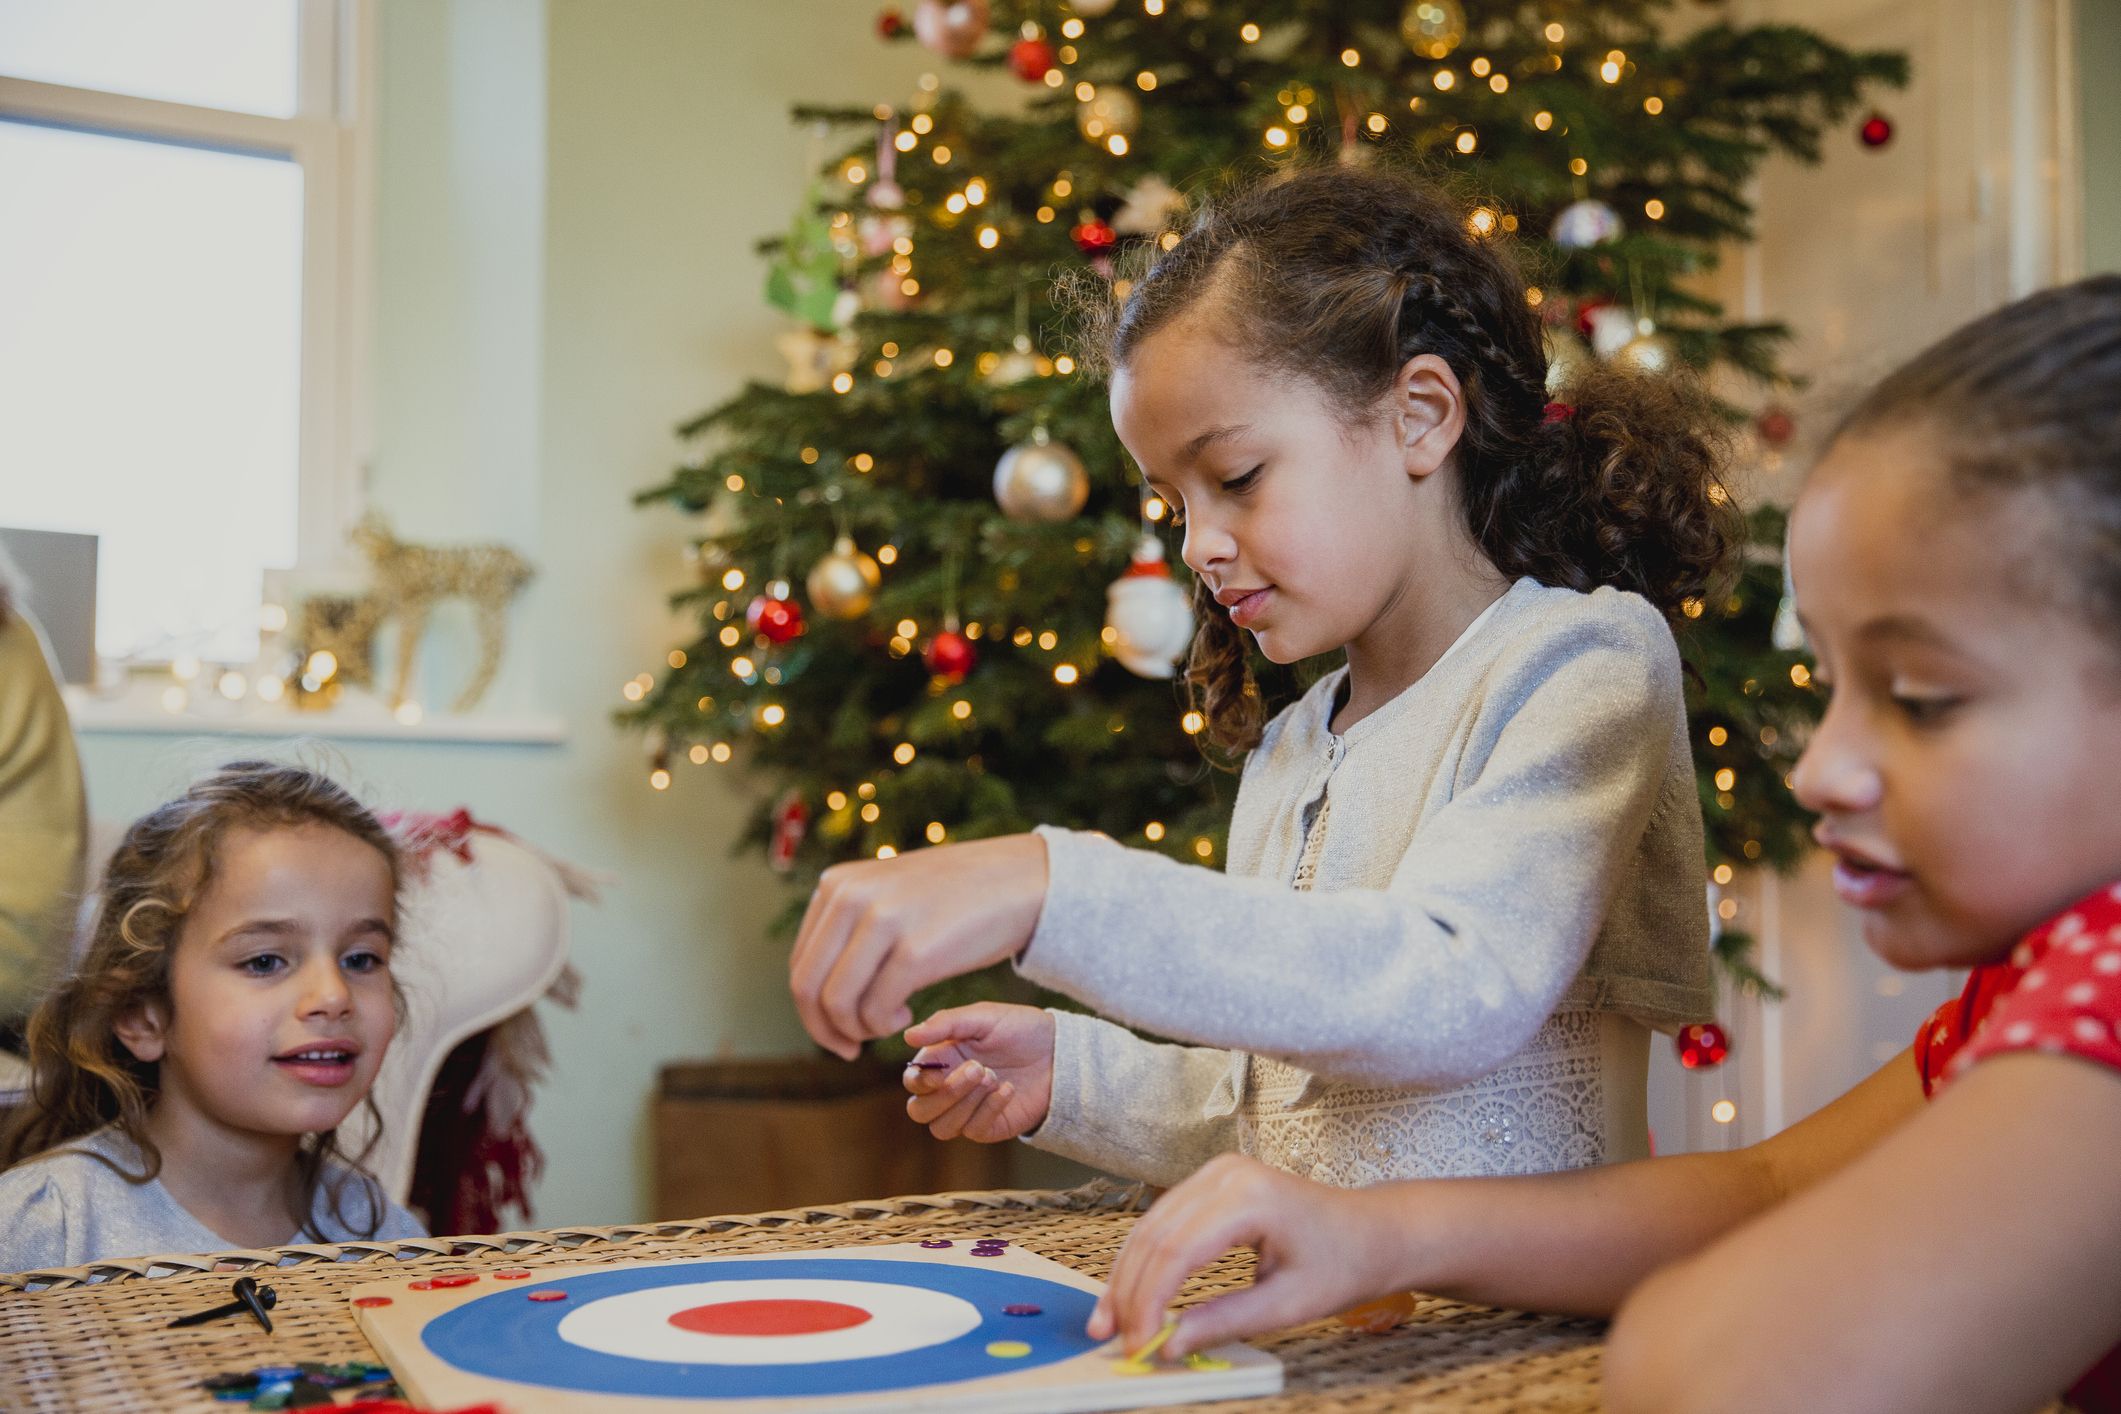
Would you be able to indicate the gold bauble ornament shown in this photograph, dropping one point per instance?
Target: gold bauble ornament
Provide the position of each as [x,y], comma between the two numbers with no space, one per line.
[843,584]
[1107,112]
[1648,353]
[1041,480]
[1568,358]
[1433,28]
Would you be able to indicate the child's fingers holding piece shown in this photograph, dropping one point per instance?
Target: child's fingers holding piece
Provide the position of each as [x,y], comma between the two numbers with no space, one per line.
[958,1023]
[948,1111]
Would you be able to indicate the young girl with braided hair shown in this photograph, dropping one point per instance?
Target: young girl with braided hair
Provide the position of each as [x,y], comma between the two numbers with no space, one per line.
[1465,870]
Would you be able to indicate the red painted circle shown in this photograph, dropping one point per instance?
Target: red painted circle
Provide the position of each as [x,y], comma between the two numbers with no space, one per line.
[548,1295]
[511,1276]
[371,1301]
[784,1317]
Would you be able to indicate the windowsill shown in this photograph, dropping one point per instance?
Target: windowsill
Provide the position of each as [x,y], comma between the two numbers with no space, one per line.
[139,711]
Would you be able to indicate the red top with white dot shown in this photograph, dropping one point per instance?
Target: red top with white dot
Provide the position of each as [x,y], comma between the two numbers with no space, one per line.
[2058,992]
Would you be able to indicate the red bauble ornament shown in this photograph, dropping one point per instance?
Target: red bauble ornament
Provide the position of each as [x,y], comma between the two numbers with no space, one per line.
[774,619]
[1585,310]
[791,821]
[1877,130]
[1775,426]
[1031,59]
[890,24]
[1701,1046]
[950,656]
[1094,237]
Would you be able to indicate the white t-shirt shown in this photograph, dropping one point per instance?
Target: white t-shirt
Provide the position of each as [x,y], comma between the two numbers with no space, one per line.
[70,1206]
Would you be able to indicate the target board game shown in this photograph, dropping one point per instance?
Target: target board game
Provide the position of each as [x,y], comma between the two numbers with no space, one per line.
[960,1325]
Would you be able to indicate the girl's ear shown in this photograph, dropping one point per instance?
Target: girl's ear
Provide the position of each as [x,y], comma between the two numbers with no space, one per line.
[1429,413]
[144,1031]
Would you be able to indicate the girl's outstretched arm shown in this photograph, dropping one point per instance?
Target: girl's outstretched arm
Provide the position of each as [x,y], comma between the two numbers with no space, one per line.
[1970,1261]
[1572,1242]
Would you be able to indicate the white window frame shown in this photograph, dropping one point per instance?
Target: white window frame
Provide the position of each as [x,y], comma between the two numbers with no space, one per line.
[331,138]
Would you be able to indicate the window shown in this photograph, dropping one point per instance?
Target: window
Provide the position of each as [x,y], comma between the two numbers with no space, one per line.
[180,264]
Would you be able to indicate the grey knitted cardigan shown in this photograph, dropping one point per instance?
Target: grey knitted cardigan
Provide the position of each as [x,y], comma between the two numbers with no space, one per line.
[1516,832]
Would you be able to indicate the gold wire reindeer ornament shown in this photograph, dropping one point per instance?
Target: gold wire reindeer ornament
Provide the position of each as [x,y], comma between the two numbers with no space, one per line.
[411,579]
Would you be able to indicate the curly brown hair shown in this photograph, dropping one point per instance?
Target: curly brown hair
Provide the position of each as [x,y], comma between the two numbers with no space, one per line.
[2032,394]
[83,1077]
[1340,274]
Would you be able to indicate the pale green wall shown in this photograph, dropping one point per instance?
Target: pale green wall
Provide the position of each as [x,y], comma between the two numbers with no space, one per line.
[2099,83]
[567,196]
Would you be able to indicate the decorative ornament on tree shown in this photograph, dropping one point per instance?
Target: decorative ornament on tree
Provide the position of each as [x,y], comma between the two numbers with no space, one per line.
[1018,365]
[775,617]
[1092,9]
[1586,223]
[952,28]
[1701,1046]
[1031,58]
[814,357]
[1110,112]
[791,821]
[1775,425]
[1568,358]
[1612,329]
[1041,480]
[950,655]
[843,584]
[885,194]
[1151,622]
[1149,207]
[1093,237]
[1877,130]
[890,24]
[1433,28]
[1648,352]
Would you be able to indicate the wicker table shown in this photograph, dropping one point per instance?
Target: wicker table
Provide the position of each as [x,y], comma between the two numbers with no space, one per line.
[95,1337]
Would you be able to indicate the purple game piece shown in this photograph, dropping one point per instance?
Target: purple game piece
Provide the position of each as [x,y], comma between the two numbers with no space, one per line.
[1023,1308]
[986,1251]
[940,1242]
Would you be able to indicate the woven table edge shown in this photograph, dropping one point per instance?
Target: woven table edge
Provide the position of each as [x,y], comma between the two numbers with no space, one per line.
[1098,1194]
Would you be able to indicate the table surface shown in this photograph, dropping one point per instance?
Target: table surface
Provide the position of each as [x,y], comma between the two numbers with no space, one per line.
[96,1337]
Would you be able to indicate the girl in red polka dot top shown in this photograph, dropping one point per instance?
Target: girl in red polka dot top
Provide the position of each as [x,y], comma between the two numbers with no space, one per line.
[1947,1235]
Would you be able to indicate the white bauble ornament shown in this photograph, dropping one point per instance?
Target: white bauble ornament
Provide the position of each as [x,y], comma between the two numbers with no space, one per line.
[1107,112]
[843,584]
[1151,622]
[1091,9]
[952,28]
[1567,359]
[1648,353]
[1583,224]
[1041,480]
[1612,329]
[1150,205]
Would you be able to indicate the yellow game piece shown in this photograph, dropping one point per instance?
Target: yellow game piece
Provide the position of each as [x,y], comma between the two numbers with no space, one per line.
[1201,1360]
[1138,1362]
[1008,1349]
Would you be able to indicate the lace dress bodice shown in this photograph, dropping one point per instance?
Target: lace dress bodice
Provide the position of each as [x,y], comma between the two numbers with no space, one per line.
[1545,1109]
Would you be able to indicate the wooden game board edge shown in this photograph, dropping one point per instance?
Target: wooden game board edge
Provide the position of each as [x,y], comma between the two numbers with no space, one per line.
[1098,1194]
[1254,1373]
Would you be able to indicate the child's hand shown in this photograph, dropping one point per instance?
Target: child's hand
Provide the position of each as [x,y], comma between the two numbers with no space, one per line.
[1319,1252]
[997,1080]
[879,930]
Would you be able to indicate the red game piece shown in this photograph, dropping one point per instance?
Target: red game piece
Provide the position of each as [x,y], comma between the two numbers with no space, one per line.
[514,1274]
[371,1301]
[548,1296]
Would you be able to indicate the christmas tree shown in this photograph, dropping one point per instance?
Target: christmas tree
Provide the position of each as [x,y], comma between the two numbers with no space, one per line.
[932,600]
